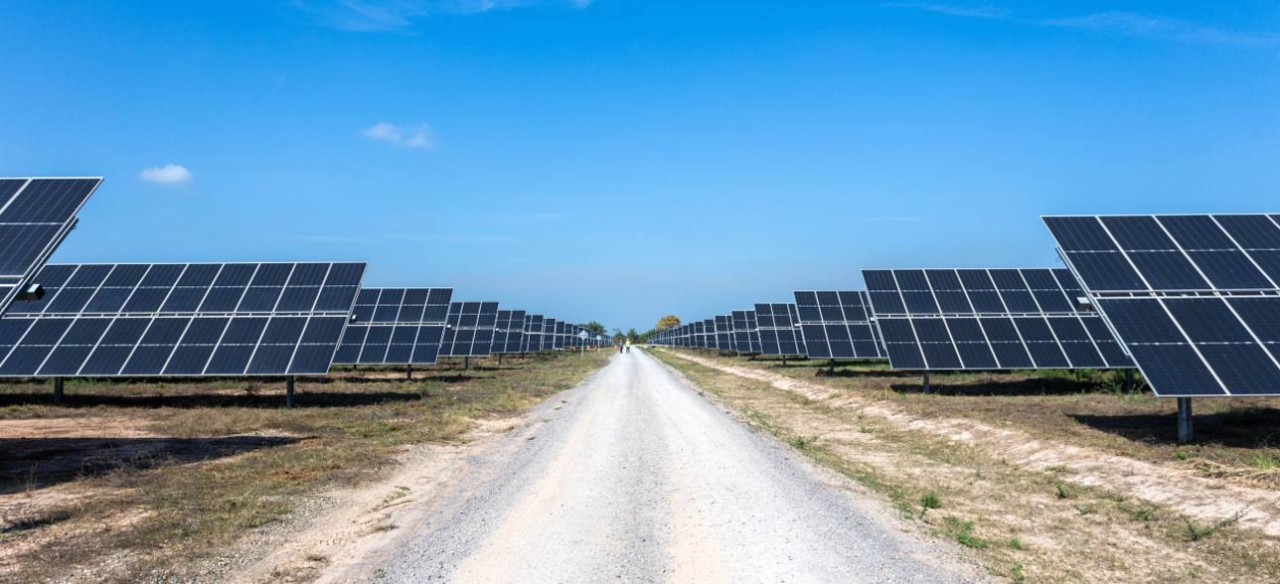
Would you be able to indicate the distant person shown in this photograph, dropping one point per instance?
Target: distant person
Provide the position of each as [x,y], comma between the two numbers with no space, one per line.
[628,347]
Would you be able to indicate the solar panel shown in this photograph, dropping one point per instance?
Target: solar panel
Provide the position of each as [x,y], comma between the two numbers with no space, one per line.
[532,333]
[1194,298]
[103,320]
[837,325]
[470,331]
[395,326]
[778,327]
[724,332]
[508,335]
[745,337]
[35,215]
[548,334]
[982,319]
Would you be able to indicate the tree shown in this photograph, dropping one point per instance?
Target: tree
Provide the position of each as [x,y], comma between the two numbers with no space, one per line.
[668,321]
[594,328]
[632,336]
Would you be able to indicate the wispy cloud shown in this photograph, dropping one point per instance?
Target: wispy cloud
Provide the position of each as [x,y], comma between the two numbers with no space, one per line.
[415,136]
[171,175]
[1132,24]
[1111,23]
[399,15]
[978,11]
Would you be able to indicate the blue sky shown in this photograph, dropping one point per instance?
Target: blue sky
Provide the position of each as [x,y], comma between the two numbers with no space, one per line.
[618,160]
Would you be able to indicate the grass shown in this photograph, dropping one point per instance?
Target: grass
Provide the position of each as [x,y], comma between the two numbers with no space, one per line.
[962,532]
[929,501]
[204,464]
[1083,408]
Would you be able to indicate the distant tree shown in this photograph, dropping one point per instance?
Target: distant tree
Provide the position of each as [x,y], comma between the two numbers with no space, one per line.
[594,327]
[668,321]
[633,337]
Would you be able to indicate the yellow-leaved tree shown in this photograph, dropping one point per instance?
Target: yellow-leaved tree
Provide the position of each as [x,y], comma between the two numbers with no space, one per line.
[668,321]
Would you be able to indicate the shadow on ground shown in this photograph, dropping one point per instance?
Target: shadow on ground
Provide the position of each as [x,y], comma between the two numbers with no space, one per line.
[1033,386]
[35,463]
[1251,428]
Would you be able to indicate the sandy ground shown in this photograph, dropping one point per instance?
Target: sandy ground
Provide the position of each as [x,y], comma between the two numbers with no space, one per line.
[634,476]
[1202,498]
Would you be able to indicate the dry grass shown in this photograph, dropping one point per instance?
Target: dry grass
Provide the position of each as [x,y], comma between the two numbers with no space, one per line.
[151,481]
[1022,524]
[1237,438]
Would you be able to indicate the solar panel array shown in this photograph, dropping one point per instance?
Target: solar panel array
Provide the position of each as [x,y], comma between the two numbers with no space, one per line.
[103,320]
[35,215]
[988,319]
[508,332]
[837,325]
[395,326]
[1195,298]
[779,328]
[471,329]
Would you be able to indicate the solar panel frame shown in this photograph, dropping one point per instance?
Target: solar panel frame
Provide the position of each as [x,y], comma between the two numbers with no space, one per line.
[987,319]
[1191,297]
[160,338]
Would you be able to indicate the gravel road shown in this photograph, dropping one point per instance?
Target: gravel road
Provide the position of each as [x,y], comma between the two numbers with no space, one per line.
[633,476]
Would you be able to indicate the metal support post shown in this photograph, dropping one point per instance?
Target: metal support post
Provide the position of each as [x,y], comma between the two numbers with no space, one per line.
[1185,433]
[288,392]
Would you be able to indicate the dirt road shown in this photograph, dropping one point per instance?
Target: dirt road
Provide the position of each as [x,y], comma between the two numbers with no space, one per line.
[633,476]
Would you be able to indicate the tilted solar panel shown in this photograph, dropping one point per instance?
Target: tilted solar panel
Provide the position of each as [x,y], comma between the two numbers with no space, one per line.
[779,330]
[745,336]
[508,336]
[980,319]
[837,325]
[102,320]
[470,331]
[35,215]
[1194,298]
[395,326]
[532,333]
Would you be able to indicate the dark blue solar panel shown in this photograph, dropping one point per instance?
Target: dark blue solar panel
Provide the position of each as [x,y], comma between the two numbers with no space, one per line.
[1230,270]
[1141,321]
[1168,270]
[1079,234]
[1106,271]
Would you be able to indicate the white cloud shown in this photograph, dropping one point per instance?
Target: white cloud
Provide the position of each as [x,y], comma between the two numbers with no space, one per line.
[173,175]
[1115,23]
[416,136]
[394,15]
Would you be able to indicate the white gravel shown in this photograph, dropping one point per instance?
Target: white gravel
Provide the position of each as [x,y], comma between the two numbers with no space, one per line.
[633,476]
